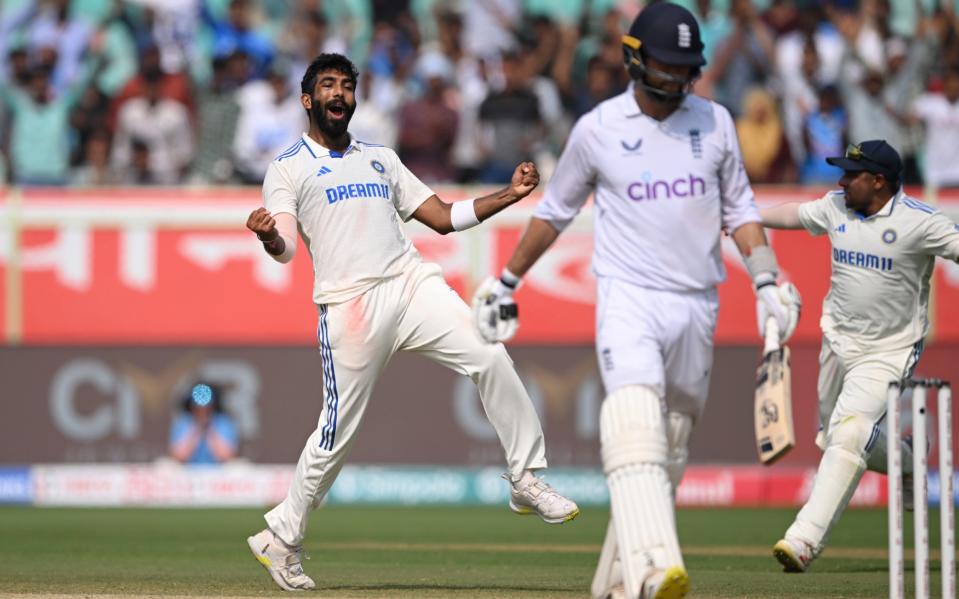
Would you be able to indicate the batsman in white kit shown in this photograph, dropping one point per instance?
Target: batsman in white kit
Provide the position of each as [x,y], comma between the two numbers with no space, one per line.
[376,296]
[884,246]
[667,173]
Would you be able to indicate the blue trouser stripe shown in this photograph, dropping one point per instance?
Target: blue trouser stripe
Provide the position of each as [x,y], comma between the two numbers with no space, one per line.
[328,432]
[873,437]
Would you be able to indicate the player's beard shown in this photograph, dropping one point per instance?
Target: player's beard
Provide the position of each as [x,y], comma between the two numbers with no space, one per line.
[331,128]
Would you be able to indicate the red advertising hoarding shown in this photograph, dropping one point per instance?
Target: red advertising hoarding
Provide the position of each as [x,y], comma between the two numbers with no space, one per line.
[174,266]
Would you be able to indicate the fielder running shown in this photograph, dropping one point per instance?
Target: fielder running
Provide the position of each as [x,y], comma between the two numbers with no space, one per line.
[375,296]
[667,174]
[874,318]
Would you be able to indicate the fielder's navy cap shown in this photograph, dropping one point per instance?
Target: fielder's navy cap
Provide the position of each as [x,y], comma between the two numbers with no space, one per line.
[873,156]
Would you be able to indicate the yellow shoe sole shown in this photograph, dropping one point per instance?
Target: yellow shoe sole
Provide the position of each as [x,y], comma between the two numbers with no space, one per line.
[785,556]
[675,584]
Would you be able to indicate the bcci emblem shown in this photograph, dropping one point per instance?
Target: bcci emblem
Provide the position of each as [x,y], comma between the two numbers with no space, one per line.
[889,236]
[378,166]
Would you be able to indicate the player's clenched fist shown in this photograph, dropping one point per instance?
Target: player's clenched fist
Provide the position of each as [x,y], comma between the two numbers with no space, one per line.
[525,179]
[261,222]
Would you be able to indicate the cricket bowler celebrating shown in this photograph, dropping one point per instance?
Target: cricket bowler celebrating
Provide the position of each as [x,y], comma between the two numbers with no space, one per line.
[375,296]
[884,246]
[667,174]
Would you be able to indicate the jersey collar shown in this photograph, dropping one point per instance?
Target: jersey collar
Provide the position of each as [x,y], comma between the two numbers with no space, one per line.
[887,209]
[319,151]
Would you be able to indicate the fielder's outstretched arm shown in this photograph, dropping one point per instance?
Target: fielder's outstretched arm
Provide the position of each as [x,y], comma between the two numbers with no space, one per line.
[784,216]
[445,218]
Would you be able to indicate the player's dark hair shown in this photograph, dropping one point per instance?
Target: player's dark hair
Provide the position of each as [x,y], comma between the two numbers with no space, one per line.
[327,62]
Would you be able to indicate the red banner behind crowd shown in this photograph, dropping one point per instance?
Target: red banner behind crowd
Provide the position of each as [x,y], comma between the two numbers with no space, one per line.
[177,266]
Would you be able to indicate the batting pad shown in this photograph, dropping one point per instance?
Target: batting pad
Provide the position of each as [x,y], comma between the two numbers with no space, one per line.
[609,573]
[632,429]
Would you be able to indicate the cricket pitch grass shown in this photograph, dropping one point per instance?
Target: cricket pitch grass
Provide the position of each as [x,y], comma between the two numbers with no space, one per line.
[417,552]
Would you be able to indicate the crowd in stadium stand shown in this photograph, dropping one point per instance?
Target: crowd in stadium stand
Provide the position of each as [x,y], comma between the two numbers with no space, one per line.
[160,92]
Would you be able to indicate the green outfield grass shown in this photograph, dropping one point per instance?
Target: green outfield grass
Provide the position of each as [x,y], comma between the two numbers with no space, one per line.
[415,552]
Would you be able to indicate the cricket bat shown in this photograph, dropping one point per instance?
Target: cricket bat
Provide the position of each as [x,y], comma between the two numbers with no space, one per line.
[773,401]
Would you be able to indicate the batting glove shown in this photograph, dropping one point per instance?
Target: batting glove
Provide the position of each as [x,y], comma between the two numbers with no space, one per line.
[495,313]
[781,302]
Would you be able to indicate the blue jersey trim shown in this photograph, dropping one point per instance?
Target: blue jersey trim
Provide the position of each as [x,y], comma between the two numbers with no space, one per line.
[366,143]
[917,205]
[328,432]
[292,151]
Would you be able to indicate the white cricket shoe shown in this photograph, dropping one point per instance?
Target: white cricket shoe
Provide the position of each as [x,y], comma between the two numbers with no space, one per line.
[794,555]
[280,560]
[532,495]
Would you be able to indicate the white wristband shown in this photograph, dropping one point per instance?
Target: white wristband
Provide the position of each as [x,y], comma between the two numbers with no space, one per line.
[463,216]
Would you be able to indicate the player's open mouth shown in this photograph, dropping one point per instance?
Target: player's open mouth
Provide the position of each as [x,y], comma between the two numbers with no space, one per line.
[336,111]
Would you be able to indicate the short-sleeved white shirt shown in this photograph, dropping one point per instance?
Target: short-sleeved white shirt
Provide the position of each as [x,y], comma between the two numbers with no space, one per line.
[881,265]
[349,209]
[663,191]
[942,130]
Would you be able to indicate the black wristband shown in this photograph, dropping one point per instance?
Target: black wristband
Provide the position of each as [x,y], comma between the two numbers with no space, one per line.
[276,235]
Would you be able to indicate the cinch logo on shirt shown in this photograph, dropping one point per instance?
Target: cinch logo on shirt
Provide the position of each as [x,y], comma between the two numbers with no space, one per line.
[861,259]
[357,190]
[654,190]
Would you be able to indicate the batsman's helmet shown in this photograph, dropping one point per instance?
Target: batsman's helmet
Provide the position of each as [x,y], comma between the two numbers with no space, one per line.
[670,34]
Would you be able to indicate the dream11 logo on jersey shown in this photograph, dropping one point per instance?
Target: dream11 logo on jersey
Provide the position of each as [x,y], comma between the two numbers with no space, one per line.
[682,187]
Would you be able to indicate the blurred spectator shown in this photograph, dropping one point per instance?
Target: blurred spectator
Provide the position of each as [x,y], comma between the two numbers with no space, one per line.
[88,117]
[237,33]
[428,124]
[162,126]
[511,122]
[939,112]
[172,86]
[376,119]
[744,59]
[876,100]
[203,433]
[217,115]
[40,135]
[170,25]
[763,142]
[309,37]
[800,98]
[54,30]
[825,134]
[271,117]
[490,26]
[95,170]
[813,27]
[714,25]
[599,86]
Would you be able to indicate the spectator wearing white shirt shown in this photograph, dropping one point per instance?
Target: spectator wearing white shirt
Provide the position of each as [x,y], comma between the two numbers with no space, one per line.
[270,115]
[163,126]
[940,114]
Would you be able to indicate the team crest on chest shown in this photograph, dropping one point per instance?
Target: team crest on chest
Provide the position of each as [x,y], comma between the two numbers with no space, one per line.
[889,236]
[696,143]
[378,166]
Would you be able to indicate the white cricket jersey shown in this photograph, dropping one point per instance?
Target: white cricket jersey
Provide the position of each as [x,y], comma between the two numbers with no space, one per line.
[348,208]
[663,191]
[879,292]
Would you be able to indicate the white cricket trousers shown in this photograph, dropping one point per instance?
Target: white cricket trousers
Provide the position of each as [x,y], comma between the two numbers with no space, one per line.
[852,395]
[416,311]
